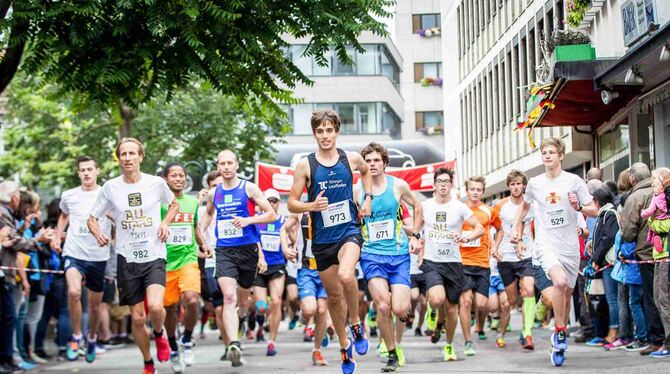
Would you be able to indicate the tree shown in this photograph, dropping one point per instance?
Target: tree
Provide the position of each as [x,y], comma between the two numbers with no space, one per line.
[104,51]
[45,131]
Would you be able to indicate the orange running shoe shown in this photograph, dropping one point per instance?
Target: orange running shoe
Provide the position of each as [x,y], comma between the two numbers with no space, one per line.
[318,360]
[529,343]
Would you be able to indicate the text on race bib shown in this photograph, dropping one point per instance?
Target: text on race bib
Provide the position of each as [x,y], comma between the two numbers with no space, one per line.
[445,245]
[556,218]
[226,230]
[180,235]
[472,243]
[270,243]
[138,247]
[82,230]
[380,230]
[336,214]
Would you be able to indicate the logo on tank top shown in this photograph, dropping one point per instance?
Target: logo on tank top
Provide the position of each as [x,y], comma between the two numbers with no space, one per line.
[323,185]
[331,173]
[553,198]
[441,216]
[227,199]
[135,199]
[184,217]
[271,227]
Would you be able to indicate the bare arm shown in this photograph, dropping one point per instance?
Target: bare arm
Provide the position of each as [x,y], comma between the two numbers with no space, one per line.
[200,239]
[268,215]
[408,197]
[478,231]
[61,225]
[94,228]
[287,242]
[357,160]
[517,228]
[209,211]
[299,184]
[172,211]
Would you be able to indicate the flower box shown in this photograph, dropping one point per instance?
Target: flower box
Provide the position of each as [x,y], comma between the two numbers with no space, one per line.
[427,33]
[430,81]
[577,52]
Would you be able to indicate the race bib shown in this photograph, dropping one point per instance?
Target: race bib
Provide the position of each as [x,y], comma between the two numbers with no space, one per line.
[138,248]
[445,246]
[556,218]
[380,230]
[180,235]
[336,214]
[226,230]
[270,243]
[82,230]
[472,243]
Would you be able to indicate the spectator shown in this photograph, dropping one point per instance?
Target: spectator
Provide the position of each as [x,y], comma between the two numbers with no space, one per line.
[594,174]
[634,229]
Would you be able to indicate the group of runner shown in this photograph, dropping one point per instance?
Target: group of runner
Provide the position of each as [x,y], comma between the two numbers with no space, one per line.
[440,248]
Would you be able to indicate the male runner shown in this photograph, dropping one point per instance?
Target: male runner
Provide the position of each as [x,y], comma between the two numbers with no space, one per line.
[516,269]
[134,202]
[273,278]
[559,196]
[83,258]
[441,258]
[237,255]
[328,176]
[183,275]
[313,297]
[385,259]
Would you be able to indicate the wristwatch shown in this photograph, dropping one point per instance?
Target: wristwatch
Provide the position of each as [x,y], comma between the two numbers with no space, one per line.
[417,235]
[370,195]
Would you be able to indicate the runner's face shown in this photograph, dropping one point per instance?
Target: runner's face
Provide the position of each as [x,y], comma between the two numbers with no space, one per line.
[375,163]
[176,178]
[88,173]
[443,185]
[475,191]
[129,157]
[227,165]
[550,157]
[325,135]
[215,181]
[274,203]
[516,187]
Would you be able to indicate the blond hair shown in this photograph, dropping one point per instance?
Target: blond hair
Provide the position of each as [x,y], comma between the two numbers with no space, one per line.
[663,174]
[516,174]
[477,179]
[129,140]
[556,142]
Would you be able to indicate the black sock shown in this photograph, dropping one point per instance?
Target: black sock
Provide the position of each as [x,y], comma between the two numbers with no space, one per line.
[392,353]
[149,362]
[173,343]
[439,326]
[260,319]
[187,336]
[158,334]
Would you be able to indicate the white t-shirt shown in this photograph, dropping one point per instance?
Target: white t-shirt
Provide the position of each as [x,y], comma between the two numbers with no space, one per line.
[210,238]
[80,244]
[556,221]
[442,223]
[414,264]
[136,210]
[507,212]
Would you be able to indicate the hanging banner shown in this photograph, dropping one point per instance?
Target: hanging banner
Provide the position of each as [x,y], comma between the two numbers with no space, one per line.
[419,178]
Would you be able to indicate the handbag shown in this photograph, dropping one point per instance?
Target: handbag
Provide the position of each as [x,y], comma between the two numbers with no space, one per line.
[597,287]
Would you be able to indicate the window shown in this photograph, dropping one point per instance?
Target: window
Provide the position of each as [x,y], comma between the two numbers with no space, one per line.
[425,21]
[342,68]
[429,119]
[356,118]
[389,68]
[374,61]
[366,63]
[427,70]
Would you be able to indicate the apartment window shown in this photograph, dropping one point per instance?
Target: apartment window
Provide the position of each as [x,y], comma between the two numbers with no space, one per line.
[429,119]
[427,70]
[356,118]
[425,21]
[341,68]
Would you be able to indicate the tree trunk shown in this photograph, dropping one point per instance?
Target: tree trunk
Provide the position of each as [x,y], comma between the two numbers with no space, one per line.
[127,116]
[11,56]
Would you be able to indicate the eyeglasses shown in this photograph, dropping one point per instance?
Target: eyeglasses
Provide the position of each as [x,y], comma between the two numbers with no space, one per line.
[443,182]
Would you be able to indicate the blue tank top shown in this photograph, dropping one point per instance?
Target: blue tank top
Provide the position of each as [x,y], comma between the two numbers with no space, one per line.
[340,220]
[229,204]
[270,242]
[382,231]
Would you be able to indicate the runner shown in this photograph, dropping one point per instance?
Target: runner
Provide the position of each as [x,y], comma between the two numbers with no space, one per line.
[237,256]
[327,174]
[84,260]
[498,305]
[417,292]
[558,197]
[441,258]
[183,275]
[313,298]
[475,256]
[516,269]
[273,278]
[385,258]
[134,202]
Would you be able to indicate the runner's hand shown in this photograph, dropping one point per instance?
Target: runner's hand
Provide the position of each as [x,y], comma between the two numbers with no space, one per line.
[516,234]
[240,222]
[520,250]
[262,266]
[320,203]
[163,231]
[574,201]
[290,253]
[102,240]
[415,245]
[366,209]
[208,252]
[497,254]
[421,253]
[55,244]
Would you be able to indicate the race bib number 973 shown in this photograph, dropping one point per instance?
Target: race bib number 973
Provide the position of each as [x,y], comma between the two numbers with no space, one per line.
[336,214]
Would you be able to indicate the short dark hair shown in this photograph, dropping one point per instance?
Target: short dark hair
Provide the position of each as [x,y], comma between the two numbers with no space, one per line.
[603,195]
[376,147]
[441,171]
[211,176]
[172,165]
[325,115]
[611,185]
[81,159]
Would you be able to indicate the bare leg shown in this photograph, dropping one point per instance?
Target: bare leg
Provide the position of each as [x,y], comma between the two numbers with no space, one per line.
[276,290]
[336,304]
[381,296]
[73,279]
[94,313]
[400,303]
[464,312]
[348,256]
[230,317]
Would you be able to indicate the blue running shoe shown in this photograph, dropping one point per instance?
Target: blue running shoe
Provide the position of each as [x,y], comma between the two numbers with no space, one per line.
[293,322]
[72,352]
[325,341]
[348,362]
[558,347]
[90,352]
[360,340]
[660,354]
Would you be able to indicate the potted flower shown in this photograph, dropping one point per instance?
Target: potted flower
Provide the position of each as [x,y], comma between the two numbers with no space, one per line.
[570,45]
[430,81]
[427,33]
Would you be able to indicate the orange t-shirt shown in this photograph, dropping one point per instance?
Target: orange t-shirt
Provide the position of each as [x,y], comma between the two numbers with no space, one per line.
[477,253]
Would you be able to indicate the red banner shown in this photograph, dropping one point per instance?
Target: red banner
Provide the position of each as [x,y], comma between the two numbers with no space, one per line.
[419,178]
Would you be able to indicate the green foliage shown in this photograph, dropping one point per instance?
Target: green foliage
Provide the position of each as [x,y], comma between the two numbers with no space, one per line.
[576,10]
[44,134]
[106,50]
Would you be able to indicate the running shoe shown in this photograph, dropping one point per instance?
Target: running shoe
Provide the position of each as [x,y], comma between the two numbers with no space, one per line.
[663,353]
[528,343]
[115,342]
[360,340]
[318,360]
[308,334]
[381,350]
[235,355]
[449,352]
[259,336]
[224,356]
[90,352]
[187,351]
[435,338]
[559,345]
[176,363]
[325,341]
[400,352]
[271,351]
[348,362]
[100,348]
[23,365]
[636,346]
[469,349]
[373,332]
[162,348]
[37,359]
[500,342]
[495,323]
[149,369]
[417,331]
[481,335]
[293,322]
[596,342]
[250,335]
[391,365]
[617,344]
[431,318]
[72,352]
